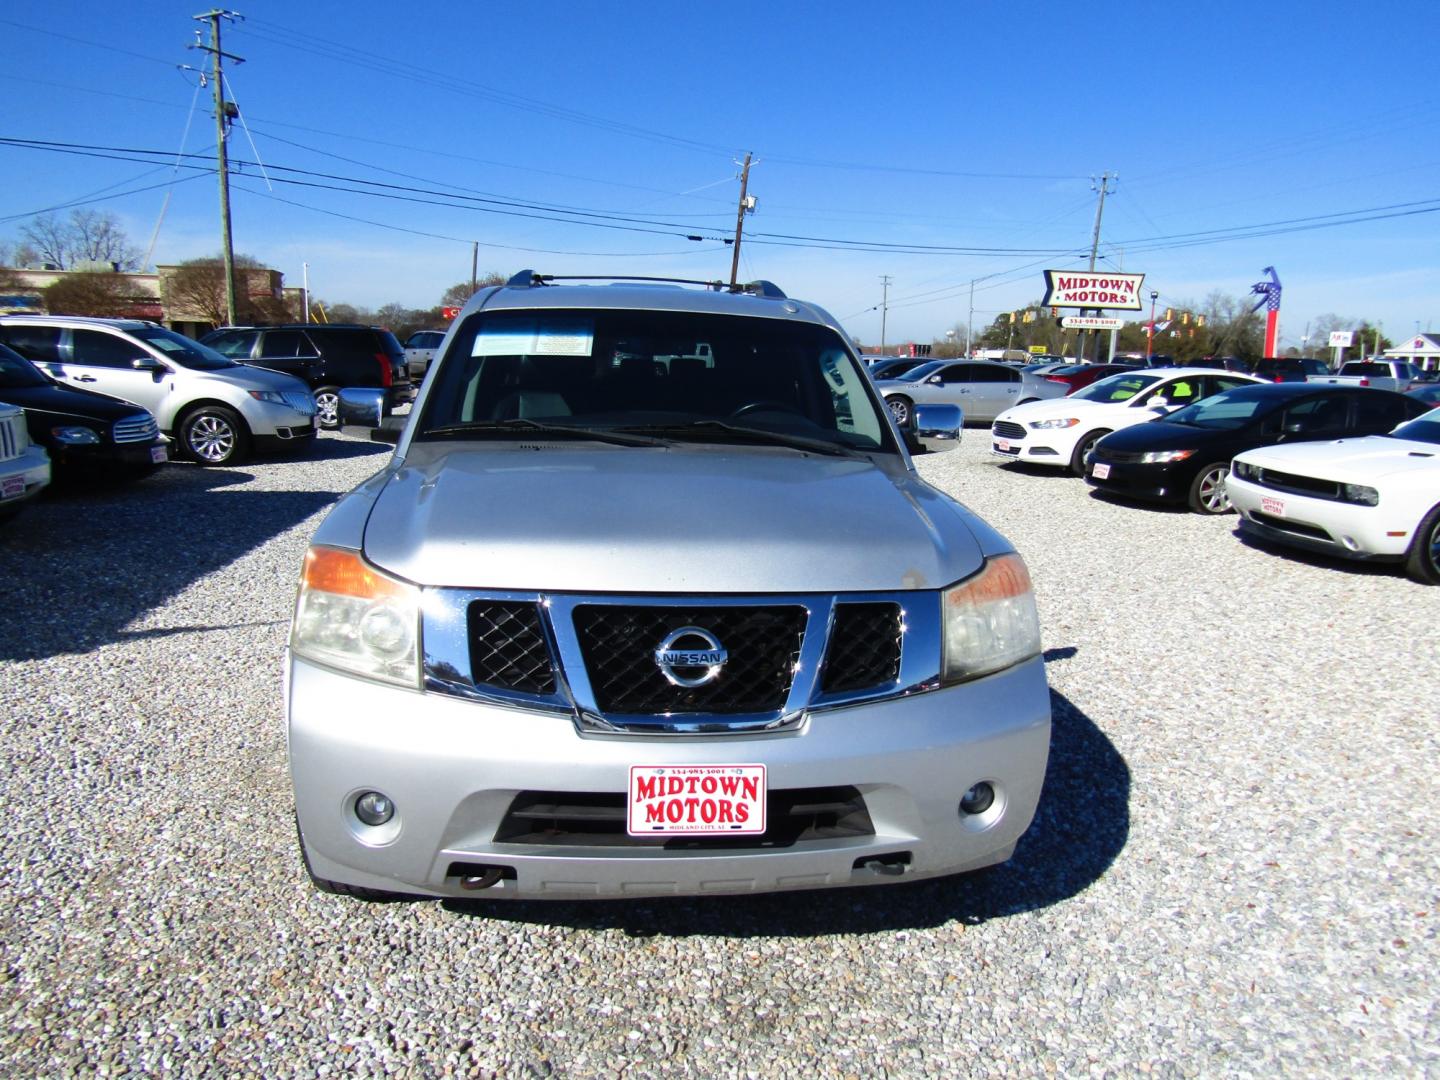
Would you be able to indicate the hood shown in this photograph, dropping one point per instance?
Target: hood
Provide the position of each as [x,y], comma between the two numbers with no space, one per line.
[1161,435]
[1045,410]
[697,520]
[65,403]
[245,377]
[1351,461]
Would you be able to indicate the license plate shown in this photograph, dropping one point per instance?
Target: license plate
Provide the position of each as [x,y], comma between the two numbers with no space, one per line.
[696,800]
[1101,472]
[1003,445]
[1272,506]
[12,487]
[157,454]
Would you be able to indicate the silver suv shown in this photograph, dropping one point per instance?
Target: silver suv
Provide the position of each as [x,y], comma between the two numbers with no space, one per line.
[214,408]
[650,600]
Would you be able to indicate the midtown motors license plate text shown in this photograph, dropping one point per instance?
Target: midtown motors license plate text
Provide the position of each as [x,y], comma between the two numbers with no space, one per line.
[716,800]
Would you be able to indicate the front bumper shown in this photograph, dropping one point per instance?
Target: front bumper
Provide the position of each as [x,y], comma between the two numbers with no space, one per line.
[22,478]
[1160,483]
[1347,530]
[453,767]
[269,420]
[1033,448]
[110,455]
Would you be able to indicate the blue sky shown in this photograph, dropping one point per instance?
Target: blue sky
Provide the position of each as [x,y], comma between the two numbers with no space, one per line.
[882,138]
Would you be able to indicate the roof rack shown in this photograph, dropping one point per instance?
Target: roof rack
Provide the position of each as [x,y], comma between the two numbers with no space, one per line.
[527,279]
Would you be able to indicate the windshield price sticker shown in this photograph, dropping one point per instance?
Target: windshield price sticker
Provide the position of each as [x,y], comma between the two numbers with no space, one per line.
[696,800]
[552,337]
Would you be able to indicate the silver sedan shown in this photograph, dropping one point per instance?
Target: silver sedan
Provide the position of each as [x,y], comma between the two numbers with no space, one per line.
[982,388]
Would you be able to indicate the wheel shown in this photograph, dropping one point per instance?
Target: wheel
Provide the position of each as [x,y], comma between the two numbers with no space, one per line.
[1207,490]
[336,888]
[900,409]
[327,407]
[1084,446]
[1423,561]
[214,435]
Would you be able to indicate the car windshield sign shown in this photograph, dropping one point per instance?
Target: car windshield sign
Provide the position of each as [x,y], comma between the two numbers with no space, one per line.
[1116,388]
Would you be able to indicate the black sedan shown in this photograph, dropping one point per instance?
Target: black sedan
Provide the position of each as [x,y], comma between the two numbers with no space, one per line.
[1184,457]
[81,430]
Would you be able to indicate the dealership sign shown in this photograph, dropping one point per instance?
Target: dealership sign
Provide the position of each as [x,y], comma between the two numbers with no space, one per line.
[1090,322]
[1092,289]
[1342,339]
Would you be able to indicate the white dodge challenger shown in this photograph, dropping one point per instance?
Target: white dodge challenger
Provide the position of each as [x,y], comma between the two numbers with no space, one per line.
[1373,498]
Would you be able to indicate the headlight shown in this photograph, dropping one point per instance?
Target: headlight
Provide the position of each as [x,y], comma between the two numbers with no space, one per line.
[274,397]
[349,615]
[1042,425]
[76,436]
[990,621]
[1359,493]
[1244,470]
[1160,457]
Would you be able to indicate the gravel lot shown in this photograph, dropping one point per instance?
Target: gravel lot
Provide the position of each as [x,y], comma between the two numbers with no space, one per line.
[1234,871]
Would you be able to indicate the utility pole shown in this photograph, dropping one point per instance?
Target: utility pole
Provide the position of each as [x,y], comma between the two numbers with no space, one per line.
[224,112]
[1103,186]
[884,307]
[747,204]
[970,320]
[474,266]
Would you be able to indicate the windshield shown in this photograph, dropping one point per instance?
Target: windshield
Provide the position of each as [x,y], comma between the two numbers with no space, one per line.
[181,349]
[1229,410]
[17,373]
[1116,388]
[1422,429]
[928,368]
[672,374]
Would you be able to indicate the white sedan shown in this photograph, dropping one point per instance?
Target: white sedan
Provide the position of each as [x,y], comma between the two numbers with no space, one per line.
[1061,432]
[1373,498]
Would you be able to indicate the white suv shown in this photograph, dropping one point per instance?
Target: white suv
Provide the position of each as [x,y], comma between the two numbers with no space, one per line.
[650,599]
[215,409]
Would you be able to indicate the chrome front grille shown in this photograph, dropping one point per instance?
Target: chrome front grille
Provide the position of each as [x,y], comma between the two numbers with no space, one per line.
[140,427]
[302,403]
[598,658]
[14,440]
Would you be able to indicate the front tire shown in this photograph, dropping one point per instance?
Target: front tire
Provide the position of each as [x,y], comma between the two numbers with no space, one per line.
[214,435]
[1207,490]
[1423,561]
[902,409]
[1083,447]
[327,407]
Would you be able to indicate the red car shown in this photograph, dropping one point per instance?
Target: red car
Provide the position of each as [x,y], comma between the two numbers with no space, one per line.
[1079,376]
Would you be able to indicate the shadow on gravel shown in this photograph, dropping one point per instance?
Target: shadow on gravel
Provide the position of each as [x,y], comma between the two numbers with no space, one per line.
[81,564]
[1080,827]
[330,448]
[1315,558]
[1146,505]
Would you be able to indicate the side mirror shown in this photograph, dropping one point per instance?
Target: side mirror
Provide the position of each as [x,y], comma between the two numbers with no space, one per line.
[934,380]
[147,363]
[937,427]
[363,413]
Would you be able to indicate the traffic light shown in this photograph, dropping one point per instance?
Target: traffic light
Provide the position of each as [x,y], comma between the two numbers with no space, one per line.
[1169,314]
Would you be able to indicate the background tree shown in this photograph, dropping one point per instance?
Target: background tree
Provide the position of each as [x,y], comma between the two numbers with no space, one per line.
[103,294]
[197,288]
[457,294]
[87,238]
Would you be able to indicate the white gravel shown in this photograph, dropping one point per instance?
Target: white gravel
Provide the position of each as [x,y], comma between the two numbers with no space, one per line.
[1234,872]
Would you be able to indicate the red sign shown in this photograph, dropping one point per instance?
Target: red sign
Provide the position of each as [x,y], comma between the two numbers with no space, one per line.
[666,800]
[449,312]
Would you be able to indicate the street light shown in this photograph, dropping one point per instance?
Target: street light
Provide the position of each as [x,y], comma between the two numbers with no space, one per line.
[1150,334]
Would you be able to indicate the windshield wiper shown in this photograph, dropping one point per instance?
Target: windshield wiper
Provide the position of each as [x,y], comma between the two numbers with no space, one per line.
[749,434]
[535,427]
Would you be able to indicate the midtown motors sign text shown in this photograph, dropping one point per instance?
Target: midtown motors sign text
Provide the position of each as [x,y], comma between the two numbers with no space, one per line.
[1091,289]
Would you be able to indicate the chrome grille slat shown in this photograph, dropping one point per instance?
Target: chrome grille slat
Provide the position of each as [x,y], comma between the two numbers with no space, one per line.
[138,428]
[13,438]
[301,403]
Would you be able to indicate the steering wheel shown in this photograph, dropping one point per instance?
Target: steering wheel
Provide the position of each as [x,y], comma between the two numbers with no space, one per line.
[765,405]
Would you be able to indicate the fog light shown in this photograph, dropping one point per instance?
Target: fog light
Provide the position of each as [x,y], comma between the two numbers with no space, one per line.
[374,809]
[978,799]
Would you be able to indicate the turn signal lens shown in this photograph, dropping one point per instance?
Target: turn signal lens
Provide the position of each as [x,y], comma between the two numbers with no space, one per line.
[990,621]
[350,615]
